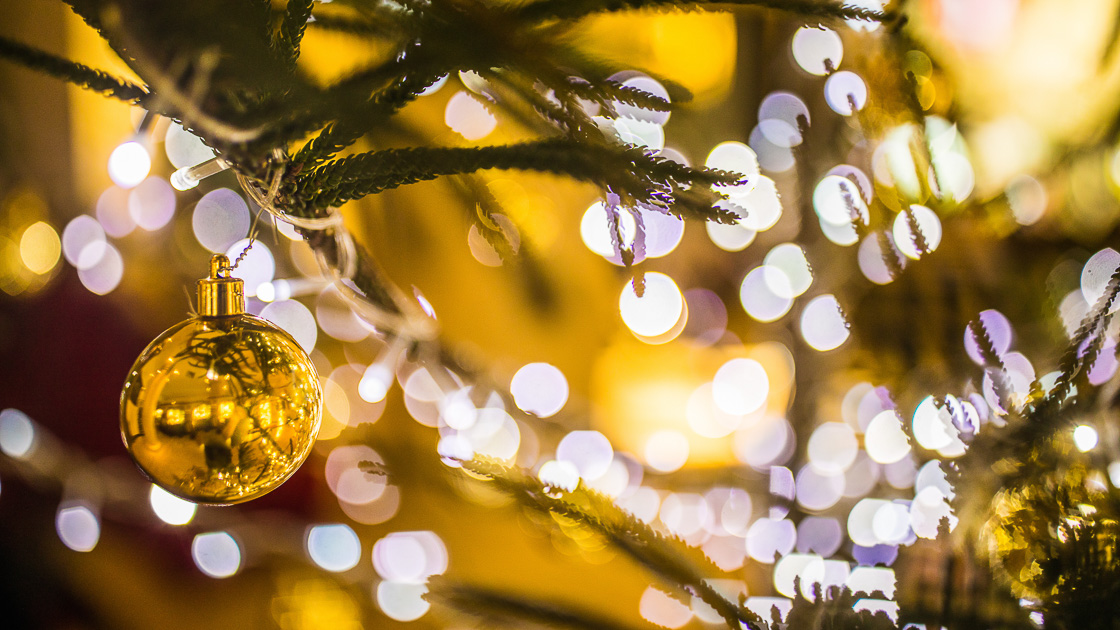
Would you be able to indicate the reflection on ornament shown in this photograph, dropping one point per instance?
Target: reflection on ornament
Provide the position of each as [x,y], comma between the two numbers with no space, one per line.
[224,407]
[1054,541]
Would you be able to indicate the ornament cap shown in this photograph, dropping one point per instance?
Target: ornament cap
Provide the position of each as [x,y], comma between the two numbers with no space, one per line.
[220,294]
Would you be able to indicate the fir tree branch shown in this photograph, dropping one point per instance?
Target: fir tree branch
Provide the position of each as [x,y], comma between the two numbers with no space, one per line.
[490,604]
[72,72]
[993,363]
[917,237]
[890,254]
[607,91]
[346,131]
[664,555]
[1083,349]
[292,28]
[636,176]
[486,208]
[573,9]
[522,101]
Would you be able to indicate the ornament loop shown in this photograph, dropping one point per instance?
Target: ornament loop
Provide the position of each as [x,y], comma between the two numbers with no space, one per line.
[219,266]
[264,200]
[221,294]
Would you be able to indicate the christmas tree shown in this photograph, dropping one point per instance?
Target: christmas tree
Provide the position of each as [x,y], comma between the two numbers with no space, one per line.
[559,313]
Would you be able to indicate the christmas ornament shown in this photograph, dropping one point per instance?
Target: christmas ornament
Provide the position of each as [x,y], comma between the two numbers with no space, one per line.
[1054,541]
[223,407]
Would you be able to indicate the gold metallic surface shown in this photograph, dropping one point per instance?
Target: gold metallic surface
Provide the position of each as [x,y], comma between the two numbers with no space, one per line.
[220,294]
[1055,540]
[221,410]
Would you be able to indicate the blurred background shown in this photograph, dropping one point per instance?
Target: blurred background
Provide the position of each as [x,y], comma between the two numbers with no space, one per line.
[738,402]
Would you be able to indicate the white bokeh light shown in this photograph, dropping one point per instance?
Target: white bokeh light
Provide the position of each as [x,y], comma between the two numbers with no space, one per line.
[842,90]
[773,158]
[296,319]
[1085,438]
[169,508]
[651,86]
[781,116]
[183,148]
[589,451]
[17,434]
[787,274]
[539,389]
[469,117]
[666,450]
[759,300]
[928,224]
[833,447]
[256,266]
[78,527]
[817,50]
[871,262]
[730,237]
[335,548]
[1096,273]
[1028,199]
[375,383]
[220,219]
[823,325]
[216,554]
[740,386]
[113,211]
[409,557]
[763,205]
[402,601]
[104,275]
[662,609]
[735,157]
[595,230]
[836,198]
[885,440]
[83,241]
[559,474]
[657,311]
[639,133]
[129,164]
[151,204]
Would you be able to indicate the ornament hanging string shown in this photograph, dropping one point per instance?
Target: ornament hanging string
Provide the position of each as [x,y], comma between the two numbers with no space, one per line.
[407,322]
[265,204]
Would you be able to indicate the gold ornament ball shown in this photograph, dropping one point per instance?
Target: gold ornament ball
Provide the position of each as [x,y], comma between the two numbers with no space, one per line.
[224,407]
[1054,541]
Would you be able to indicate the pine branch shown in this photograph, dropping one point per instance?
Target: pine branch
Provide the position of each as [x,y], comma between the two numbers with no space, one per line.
[1083,349]
[345,132]
[993,363]
[292,28]
[889,254]
[664,555]
[72,72]
[603,93]
[521,100]
[486,208]
[573,9]
[857,220]
[917,238]
[835,609]
[636,176]
[490,604]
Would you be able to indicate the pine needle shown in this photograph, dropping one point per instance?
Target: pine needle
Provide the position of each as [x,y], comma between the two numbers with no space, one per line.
[72,72]
[667,556]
